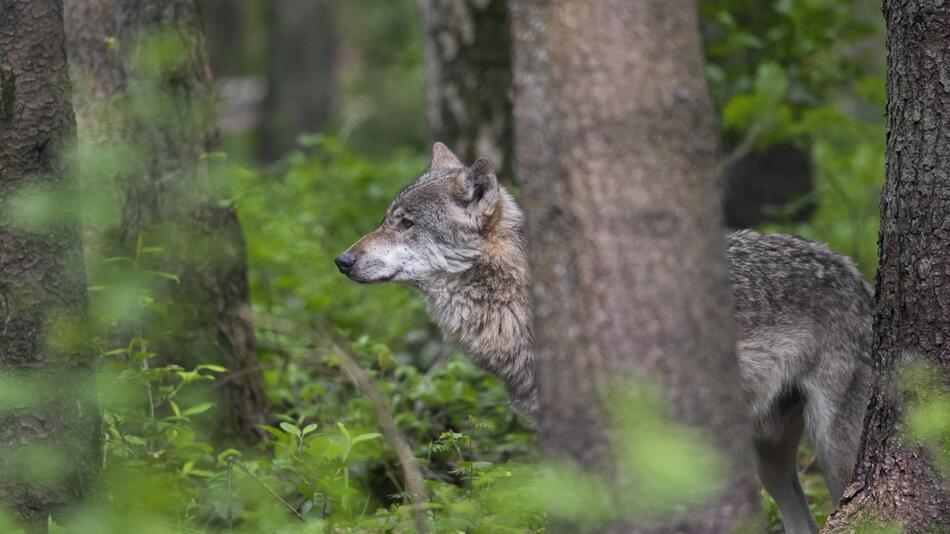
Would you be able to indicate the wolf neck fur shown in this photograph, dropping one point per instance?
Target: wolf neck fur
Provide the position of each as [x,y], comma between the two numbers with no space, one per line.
[487,308]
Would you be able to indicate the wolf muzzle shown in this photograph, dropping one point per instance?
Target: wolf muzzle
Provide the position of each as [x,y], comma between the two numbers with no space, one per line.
[344,262]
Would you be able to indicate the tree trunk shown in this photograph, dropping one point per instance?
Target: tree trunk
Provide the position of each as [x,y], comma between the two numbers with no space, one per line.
[144,82]
[468,78]
[225,25]
[895,479]
[42,285]
[302,52]
[615,147]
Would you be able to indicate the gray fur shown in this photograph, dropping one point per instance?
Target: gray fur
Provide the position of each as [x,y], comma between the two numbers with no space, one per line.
[802,315]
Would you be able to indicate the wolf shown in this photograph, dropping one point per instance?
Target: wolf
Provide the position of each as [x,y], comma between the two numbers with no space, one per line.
[802,316]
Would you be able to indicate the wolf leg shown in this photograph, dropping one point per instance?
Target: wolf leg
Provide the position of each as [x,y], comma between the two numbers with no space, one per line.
[778,471]
[834,412]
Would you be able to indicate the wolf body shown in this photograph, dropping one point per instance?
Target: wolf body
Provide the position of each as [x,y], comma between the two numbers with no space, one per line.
[802,316]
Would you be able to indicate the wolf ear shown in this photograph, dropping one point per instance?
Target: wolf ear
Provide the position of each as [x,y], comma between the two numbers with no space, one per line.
[479,189]
[443,158]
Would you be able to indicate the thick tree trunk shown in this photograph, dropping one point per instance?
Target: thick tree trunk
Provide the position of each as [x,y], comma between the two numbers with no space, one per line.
[42,286]
[468,89]
[895,480]
[144,82]
[468,78]
[615,148]
[301,71]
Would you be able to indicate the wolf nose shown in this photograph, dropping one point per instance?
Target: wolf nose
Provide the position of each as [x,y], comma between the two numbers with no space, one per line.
[344,262]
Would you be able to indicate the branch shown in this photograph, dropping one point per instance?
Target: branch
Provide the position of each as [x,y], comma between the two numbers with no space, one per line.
[412,472]
[273,493]
[387,425]
[740,151]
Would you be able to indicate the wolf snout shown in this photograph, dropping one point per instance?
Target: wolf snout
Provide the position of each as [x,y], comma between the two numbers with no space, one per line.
[344,262]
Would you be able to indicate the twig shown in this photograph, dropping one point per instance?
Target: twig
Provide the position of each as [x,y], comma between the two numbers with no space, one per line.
[387,425]
[234,375]
[740,151]
[273,493]
[151,400]
[230,495]
[445,354]
[412,472]
[182,527]
[392,478]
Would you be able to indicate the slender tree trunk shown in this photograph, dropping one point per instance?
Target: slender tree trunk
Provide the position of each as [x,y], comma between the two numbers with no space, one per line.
[225,25]
[301,70]
[895,479]
[468,78]
[615,148]
[42,286]
[144,82]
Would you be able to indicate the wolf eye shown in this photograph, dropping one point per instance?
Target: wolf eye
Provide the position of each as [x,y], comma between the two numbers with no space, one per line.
[405,224]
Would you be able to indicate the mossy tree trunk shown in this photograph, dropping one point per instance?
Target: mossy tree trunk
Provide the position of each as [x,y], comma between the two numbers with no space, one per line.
[897,479]
[144,84]
[468,78]
[615,149]
[48,417]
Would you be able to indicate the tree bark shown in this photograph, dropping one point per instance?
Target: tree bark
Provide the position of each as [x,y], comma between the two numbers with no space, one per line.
[895,479]
[468,78]
[302,47]
[468,89]
[162,109]
[615,149]
[42,285]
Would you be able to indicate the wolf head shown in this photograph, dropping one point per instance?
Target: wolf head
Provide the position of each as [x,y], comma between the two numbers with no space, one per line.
[435,227]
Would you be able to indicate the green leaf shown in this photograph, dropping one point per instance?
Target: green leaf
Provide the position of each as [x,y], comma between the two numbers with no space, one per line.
[740,112]
[118,259]
[291,429]
[199,408]
[135,440]
[211,367]
[271,430]
[228,453]
[365,437]
[167,276]
[771,83]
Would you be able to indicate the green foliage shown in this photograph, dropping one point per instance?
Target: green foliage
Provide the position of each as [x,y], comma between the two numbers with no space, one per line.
[779,71]
[927,416]
[808,73]
[383,102]
[323,465]
[297,223]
